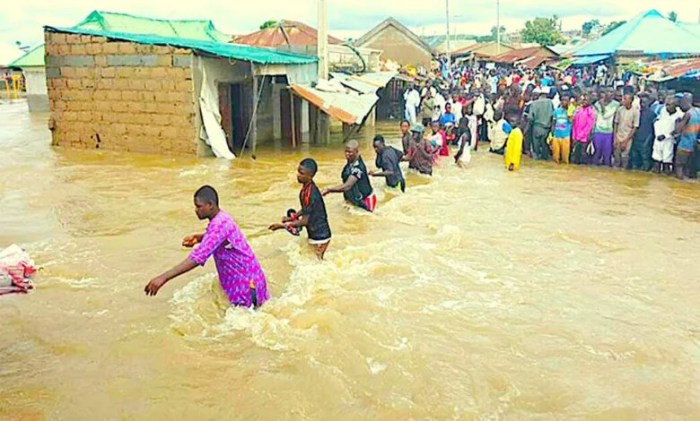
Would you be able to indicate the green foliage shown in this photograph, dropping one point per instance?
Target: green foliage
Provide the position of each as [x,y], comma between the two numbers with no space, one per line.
[268,24]
[587,27]
[543,31]
[612,26]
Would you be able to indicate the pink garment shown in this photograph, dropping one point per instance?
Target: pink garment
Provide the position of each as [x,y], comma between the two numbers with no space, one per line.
[584,121]
[235,261]
[16,270]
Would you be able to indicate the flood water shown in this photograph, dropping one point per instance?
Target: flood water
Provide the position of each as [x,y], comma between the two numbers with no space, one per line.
[554,292]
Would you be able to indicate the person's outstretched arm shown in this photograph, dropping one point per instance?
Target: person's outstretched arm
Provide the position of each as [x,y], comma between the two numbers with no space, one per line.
[157,283]
[341,188]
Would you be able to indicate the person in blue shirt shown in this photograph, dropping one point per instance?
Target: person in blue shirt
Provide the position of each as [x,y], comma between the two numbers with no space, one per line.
[447,117]
[561,132]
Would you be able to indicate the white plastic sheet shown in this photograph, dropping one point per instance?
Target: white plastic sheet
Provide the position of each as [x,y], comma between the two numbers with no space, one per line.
[212,134]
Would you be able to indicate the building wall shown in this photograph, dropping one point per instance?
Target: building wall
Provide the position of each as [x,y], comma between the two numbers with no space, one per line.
[400,48]
[37,95]
[120,95]
[491,50]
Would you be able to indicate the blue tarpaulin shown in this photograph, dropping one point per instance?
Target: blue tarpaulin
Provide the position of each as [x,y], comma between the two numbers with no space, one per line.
[582,61]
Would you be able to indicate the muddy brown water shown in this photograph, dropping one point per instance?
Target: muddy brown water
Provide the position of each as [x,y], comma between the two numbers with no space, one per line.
[554,292]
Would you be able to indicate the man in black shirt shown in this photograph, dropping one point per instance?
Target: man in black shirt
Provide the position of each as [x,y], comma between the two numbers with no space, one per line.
[356,187]
[643,141]
[313,214]
[388,159]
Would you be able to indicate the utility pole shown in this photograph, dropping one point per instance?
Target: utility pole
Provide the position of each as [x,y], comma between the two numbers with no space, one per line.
[322,40]
[322,124]
[498,26]
[449,50]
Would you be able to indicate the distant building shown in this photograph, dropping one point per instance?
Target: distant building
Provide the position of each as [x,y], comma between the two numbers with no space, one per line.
[482,50]
[300,38]
[398,44]
[531,57]
[32,65]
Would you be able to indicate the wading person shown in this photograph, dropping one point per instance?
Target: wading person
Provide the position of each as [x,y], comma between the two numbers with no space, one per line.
[540,116]
[642,144]
[388,159]
[464,156]
[605,110]
[313,214]
[624,129]
[240,274]
[420,156]
[406,136]
[356,187]
[582,130]
[688,130]
[561,132]
[498,133]
[664,127]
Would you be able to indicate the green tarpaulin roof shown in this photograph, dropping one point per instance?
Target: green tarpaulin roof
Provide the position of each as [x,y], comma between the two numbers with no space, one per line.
[220,49]
[202,30]
[649,33]
[33,58]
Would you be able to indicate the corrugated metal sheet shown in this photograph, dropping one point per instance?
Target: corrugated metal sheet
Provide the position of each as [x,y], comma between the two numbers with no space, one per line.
[285,32]
[350,108]
[220,49]
[365,83]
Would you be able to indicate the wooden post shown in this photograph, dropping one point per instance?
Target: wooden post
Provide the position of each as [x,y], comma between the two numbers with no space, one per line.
[256,101]
[294,120]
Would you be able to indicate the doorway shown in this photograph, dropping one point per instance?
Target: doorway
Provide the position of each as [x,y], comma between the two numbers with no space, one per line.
[234,117]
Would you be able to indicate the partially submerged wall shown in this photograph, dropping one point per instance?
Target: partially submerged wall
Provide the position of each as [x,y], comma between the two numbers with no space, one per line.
[120,95]
[37,95]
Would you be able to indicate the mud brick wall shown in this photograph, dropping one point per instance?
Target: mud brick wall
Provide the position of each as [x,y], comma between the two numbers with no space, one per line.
[120,96]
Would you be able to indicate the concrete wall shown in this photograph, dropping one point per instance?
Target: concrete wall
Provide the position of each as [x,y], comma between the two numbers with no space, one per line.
[400,48]
[37,94]
[120,95]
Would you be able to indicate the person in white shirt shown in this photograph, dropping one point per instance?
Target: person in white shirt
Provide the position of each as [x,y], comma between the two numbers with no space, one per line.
[664,126]
[456,107]
[440,102]
[412,99]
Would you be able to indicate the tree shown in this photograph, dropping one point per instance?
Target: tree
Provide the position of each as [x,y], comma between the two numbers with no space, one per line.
[587,27]
[613,26]
[543,31]
[673,16]
[268,24]
[493,32]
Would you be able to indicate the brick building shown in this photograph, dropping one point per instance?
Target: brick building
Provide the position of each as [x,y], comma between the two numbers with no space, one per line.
[154,94]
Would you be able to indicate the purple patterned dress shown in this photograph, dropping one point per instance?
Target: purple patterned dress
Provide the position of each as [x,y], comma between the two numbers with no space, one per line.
[235,261]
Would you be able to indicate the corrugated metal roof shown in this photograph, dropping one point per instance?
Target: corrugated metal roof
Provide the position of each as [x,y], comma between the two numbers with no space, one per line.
[524,54]
[199,29]
[220,49]
[33,58]
[649,33]
[285,32]
[350,108]
[365,83]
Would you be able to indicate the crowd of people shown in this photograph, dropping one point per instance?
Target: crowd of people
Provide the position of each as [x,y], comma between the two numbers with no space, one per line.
[583,116]
[565,117]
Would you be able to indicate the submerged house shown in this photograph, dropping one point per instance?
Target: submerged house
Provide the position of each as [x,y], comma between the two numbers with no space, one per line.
[33,66]
[164,94]
[398,44]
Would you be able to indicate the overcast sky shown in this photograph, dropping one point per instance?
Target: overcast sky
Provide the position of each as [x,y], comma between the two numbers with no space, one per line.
[23,20]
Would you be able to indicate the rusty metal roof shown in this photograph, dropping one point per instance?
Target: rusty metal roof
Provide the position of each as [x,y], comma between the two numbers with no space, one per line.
[285,32]
[348,107]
